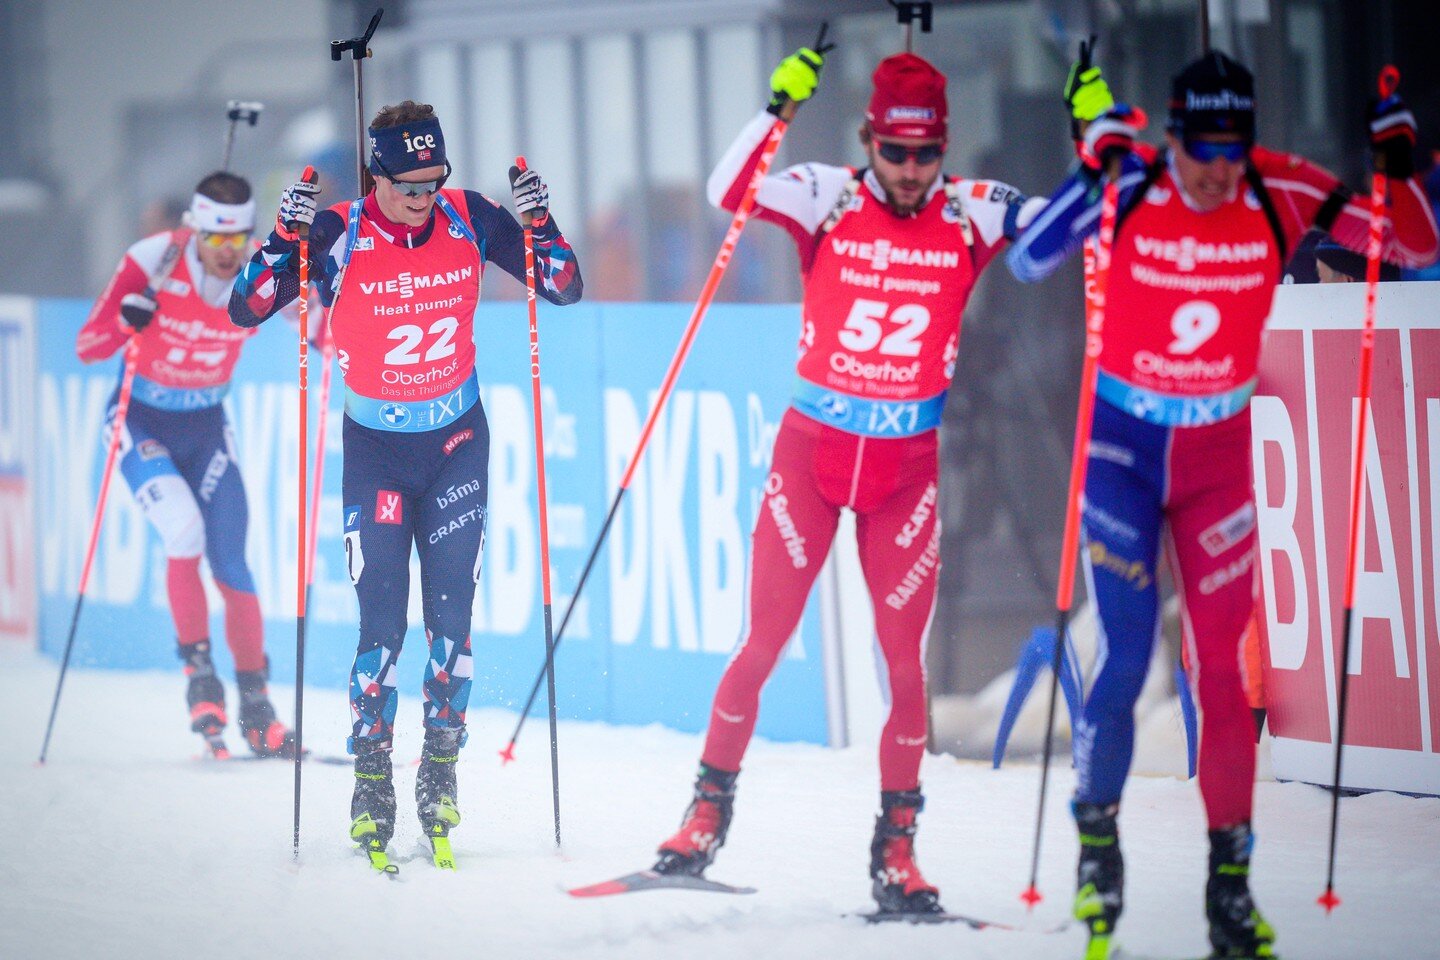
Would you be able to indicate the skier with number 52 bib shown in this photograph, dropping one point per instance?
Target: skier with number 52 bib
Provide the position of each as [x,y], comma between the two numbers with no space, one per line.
[400,271]
[1203,229]
[177,452]
[889,254]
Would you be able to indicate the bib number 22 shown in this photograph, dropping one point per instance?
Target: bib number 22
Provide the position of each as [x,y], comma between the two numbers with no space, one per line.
[407,351]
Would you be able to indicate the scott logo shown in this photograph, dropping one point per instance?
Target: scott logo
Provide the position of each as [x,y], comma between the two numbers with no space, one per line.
[420,143]
[388,508]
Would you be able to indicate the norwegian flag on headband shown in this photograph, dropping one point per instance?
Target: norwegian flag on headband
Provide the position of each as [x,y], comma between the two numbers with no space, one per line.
[909,99]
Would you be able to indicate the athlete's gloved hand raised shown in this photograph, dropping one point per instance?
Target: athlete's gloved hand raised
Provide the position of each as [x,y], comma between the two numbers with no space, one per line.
[532,196]
[136,311]
[1392,137]
[1087,95]
[297,205]
[1110,136]
[795,80]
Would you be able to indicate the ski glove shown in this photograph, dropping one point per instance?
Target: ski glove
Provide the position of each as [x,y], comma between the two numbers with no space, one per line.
[1086,92]
[531,194]
[797,77]
[1392,137]
[1111,135]
[136,311]
[297,206]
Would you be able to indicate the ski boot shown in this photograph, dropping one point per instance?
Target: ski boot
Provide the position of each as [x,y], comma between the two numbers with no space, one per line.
[1100,877]
[205,695]
[702,833]
[264,732]
[1237,930]
[435,790]
[372,806]
[899,886]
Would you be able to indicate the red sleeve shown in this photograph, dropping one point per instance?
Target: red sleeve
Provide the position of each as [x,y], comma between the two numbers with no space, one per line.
[1299,189]
[103,334]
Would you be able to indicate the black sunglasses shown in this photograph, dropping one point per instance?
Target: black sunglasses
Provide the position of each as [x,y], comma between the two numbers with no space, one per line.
[415,188]
[897,153]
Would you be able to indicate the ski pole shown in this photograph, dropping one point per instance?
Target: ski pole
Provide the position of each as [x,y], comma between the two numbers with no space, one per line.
[317,481]
[359,50]
[707,293]
[1097,276]
[303,455]
[907,12]
[122,406]
[1389,81]
[527,219]
[236,111]
[168,261]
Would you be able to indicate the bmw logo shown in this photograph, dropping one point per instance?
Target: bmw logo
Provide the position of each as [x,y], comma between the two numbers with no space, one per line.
[395,414]
[834,406]
[1141,405]
[456,232]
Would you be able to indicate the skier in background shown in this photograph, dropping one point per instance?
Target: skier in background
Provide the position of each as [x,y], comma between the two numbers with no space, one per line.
[400,270]
[1205,223]
[177,451]
[889,254]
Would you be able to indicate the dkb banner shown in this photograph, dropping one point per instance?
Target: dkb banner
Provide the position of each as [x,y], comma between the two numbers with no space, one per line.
[664,605]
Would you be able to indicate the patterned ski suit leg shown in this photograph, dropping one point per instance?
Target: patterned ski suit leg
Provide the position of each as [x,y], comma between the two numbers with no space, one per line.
[1212,559]
[898,533]
[1124,511]
[391,485]
[793,532]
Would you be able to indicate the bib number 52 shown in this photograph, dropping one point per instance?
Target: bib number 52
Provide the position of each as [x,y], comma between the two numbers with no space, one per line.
[407,351]
[865,328]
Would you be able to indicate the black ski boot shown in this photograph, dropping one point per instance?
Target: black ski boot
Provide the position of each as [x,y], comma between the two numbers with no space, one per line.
[372,806]
[1100,877]
[1237,930]
[706,821]
[435,790]
[264,732]
[899,887]
[205,696]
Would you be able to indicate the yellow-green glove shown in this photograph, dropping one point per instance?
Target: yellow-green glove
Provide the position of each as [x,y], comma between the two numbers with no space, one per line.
[796,77]
[1086,92]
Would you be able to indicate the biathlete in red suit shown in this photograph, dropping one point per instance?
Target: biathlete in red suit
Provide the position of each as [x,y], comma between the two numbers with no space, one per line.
[1205,227]
[177,452]
[889,255]
[400,271]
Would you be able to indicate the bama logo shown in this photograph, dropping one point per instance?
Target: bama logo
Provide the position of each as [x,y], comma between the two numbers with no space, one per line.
[407,283]
[1187,252]
[882,254]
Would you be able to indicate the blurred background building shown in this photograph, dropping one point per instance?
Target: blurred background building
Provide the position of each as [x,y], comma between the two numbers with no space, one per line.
[112,112]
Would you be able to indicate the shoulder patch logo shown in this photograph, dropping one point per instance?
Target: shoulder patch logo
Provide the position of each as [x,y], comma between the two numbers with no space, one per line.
[364,243]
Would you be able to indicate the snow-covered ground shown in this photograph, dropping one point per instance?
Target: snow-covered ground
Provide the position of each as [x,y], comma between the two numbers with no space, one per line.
[124,845]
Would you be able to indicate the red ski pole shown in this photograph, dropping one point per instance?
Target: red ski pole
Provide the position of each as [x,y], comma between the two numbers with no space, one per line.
[527,220]
[302,542]
[317,481]
[1389,81]
[122,406]
[1097,276]
[707,293]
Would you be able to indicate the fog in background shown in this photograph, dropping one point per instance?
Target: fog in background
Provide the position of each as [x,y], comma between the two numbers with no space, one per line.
[112,112]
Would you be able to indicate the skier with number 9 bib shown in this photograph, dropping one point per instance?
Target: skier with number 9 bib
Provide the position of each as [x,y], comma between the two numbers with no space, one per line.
[400,270]
[889,254]
[177,451]
[1203,229]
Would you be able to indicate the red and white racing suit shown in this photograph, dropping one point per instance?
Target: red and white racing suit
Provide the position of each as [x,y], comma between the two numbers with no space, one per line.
[878,342]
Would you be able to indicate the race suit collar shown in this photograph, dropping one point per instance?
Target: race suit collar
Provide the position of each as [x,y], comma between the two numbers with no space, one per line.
[400,234]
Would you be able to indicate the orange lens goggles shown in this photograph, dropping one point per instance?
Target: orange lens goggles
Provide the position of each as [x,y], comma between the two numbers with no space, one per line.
[218,240]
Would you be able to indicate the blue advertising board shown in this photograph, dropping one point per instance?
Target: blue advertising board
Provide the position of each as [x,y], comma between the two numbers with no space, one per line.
[664,606]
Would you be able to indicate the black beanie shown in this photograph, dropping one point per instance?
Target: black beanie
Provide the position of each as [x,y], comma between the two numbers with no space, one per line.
[1213,95]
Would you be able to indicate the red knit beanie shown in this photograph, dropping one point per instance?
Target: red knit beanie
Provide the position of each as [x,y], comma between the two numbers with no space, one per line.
[909,99]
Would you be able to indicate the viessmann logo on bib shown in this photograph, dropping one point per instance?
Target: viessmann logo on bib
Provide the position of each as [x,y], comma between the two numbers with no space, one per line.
[407,283]
[882,254]
[1186,253]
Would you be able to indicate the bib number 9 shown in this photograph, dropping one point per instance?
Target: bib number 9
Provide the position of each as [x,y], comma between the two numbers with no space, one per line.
[864,328]
[1193,324]
[410,336]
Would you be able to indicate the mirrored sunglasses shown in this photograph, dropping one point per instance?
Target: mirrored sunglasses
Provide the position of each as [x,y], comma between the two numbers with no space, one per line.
[897,153]
[1206,151]
[420,188]
[218,240]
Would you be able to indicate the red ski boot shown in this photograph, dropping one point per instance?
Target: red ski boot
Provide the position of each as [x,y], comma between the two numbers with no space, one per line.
[707,820]
[899,887]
